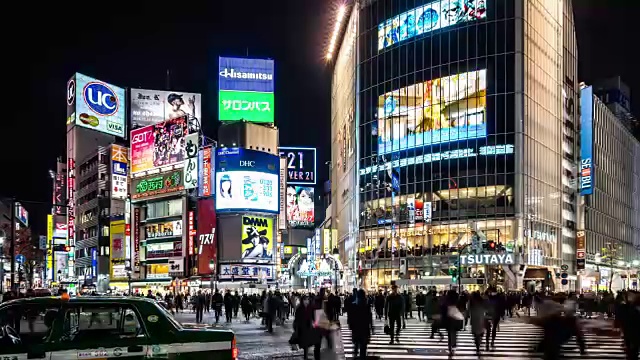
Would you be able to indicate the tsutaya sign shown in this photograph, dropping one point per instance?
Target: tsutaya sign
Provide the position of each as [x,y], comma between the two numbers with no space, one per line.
[487,259]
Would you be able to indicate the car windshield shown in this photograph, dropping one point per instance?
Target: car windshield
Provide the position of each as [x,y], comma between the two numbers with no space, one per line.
[169,316]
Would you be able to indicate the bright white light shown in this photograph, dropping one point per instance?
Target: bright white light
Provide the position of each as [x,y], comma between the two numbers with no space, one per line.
[636,262]
[336,30]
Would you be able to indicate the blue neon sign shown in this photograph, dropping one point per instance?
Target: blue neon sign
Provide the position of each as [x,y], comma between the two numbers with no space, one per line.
[587,180]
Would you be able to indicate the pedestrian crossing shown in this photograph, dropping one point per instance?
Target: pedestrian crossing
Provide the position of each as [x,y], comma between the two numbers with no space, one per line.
[515,340]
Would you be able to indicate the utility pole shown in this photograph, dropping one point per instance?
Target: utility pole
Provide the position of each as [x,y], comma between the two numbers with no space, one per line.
[12,247]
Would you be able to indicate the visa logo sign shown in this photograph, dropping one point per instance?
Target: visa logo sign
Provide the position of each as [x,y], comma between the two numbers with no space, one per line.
[119,168]
[115,127]
[100,98]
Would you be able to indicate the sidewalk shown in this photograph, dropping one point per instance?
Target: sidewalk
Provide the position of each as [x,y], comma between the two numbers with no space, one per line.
[254,343]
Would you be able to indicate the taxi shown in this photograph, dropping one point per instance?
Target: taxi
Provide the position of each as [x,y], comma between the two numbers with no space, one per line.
[54,328]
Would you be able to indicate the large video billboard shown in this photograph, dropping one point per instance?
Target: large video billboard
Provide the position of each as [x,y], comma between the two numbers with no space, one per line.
[206,233]
[257,237]
[586,141]
[301,165]
[442,110]
[150,107]
[424,19]
[247,180]
[96,105]
[300,206]
[245,89]
[158,145]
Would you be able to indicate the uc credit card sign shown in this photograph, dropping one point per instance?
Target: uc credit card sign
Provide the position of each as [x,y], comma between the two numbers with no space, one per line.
[246,89]
[587,178]
[99,105]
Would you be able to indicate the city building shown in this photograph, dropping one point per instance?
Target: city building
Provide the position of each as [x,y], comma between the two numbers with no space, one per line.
[453,129]
[610,185]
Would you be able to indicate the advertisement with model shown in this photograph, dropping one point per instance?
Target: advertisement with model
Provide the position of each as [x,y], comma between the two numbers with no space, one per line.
[257,237]
[247,180]
[150,107]
[96,105]
[206,236]
[300,207]
[245,89]
[158,145]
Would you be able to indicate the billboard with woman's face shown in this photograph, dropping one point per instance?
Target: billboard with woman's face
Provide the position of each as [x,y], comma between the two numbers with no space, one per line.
[300,206]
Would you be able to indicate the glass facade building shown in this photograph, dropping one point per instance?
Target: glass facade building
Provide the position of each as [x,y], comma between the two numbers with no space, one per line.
[460,138]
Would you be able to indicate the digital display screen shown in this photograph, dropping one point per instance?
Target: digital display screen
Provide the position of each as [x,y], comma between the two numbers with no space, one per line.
[427,18]
[586,141]
[247,191]
[301,165]
[300,206]
[150,107]
[442,110]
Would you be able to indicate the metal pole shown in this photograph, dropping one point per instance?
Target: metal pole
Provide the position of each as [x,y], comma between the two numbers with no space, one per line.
[12,248]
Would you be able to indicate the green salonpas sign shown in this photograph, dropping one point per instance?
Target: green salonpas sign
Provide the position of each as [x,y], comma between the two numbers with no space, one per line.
[246,105]
[157,185]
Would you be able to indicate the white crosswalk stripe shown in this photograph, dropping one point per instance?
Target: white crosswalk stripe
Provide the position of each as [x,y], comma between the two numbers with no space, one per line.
[514,340]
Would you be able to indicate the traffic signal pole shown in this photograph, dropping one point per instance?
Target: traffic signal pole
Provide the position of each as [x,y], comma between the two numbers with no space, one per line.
[460,265]
[12,247]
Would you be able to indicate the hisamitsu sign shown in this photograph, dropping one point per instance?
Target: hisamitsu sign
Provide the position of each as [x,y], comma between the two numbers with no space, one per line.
[487,259]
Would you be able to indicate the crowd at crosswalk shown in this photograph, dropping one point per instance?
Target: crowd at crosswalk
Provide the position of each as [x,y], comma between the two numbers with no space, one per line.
[514,340]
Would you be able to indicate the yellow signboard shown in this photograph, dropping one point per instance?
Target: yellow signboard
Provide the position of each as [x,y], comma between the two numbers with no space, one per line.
[49,227]
[326,240]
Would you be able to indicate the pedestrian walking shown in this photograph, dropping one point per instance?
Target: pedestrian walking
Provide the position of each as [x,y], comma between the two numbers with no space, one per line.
[393,311]
[360,321]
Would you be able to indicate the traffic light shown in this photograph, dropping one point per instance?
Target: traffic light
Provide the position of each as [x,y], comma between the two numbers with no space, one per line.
[491,245]
[64,248]
[454,274]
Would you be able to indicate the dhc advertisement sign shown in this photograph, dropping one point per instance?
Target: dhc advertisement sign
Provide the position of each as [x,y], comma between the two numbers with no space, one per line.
[587,178]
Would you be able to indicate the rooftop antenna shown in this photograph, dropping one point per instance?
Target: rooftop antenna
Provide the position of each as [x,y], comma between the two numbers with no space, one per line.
[168,84]
[247,52]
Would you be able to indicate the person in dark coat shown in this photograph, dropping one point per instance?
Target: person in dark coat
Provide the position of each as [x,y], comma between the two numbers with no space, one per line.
[217,301]
[379,305]
[393,311]
[360,322]
[228,305]
[304,334]
[199,306]
[247,307]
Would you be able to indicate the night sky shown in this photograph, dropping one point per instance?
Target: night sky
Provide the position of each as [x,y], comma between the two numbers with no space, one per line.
[136,47]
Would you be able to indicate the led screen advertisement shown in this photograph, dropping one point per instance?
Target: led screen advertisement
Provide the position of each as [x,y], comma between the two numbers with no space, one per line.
[164,229]
[96,105]
[159,184]
[158,145]
[246,89]
[424,19]
[442,110]
[300,206]
[206,235]
[247,180]
[150,107]
[257,237]
[586,141]
[301,165]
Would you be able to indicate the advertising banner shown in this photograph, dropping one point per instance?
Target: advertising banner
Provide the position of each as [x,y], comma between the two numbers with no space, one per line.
[206,166]
[246,105]
[247,180]
[60,231]
[239,74]
[282,216]
[424,19]
[191,148]
[587,178]
[191,231]
[21,214]
[136,239]
[50,227]
[246,89]
[157,185]
[301,165]
[119,164]
[98,105]
[59,195]
[441,110]
[581,249]
[158,145]
[206,233]
[150,107]
[257,237]
[246,272]
[300,206]
[162,230]
[117,251]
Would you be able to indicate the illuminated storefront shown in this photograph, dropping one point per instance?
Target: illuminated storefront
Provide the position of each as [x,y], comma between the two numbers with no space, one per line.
[440,159]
